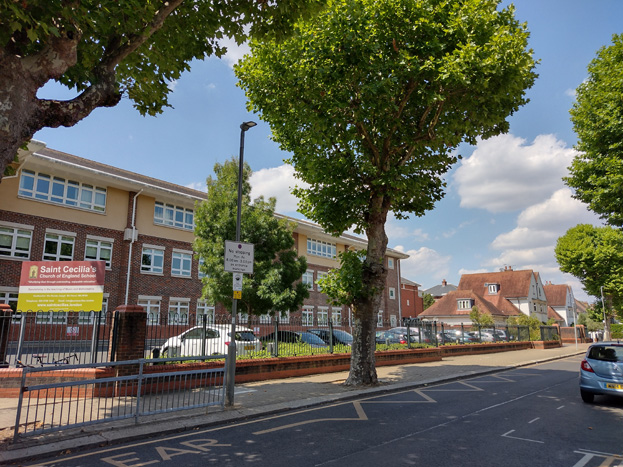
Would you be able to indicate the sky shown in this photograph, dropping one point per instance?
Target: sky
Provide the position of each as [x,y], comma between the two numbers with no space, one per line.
[505,205]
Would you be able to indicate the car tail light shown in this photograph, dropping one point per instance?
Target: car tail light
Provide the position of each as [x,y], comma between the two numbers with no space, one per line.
[586,366]
[226,343]
[403,341]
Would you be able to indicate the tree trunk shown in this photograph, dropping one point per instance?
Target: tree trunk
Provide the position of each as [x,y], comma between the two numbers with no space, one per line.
[362,361]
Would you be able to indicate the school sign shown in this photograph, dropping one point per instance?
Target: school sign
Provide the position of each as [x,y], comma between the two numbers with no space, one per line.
[61,286]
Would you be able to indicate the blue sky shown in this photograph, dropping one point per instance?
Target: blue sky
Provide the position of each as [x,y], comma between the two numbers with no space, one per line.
[505,204]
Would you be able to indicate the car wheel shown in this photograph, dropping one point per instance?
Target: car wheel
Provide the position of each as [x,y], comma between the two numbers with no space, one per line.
[587,397]
[165,353]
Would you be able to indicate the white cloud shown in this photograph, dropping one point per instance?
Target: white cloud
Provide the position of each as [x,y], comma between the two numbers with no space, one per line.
[234,51]
[199,186]
[424,264]
[505,174]
[277,182]
[396,229]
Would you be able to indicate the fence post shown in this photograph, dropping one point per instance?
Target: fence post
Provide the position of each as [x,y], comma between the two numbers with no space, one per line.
[5,327]
[130,329]
[330,337]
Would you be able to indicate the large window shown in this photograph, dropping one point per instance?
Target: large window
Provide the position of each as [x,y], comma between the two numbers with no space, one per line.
[151,305]
[336,316]
[8,296]
[323,316]
[320,248]
[58,247]
[308,279]
[99,250]
[51,317]
[152,259]
[178,310]
[308,316]
[205,313]
[58,190]
[174,216]
[15,241]
[181,263]
[320,275]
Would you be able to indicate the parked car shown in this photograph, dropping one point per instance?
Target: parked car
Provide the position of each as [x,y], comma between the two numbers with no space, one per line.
[386,337]
[294,337]
[449,336]
[339,337]
[215,341]
[601,371]
[414,334]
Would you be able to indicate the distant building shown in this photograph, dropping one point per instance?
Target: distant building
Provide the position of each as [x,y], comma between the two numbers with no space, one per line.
[562,302]
[411,303]
[440,290]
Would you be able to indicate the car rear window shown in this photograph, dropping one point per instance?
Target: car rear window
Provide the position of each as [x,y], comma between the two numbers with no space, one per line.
[607,353]
[245,336]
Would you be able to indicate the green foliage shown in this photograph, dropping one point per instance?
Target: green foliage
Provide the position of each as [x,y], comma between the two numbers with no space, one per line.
[595,256]
[590,322]
[344,285]
[428,300]
[481,319]
[193,30]
[616,331]
[372,97]
[533,323]
[275,284]
[597,116]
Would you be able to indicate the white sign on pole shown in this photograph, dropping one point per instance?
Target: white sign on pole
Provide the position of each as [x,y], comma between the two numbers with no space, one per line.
[239,257]
[237,281]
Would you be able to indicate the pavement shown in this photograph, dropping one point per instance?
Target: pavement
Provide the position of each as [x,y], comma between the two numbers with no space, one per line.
[253,400]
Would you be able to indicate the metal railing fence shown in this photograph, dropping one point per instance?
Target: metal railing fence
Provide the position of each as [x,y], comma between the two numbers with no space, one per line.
[113,391]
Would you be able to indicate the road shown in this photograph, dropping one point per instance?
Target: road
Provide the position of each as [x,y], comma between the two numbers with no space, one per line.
[527,416]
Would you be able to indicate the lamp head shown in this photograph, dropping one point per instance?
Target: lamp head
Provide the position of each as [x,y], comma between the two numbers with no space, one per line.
[246,125]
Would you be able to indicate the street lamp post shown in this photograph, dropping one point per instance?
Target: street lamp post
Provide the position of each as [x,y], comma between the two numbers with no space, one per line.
[231,351]
[603,307]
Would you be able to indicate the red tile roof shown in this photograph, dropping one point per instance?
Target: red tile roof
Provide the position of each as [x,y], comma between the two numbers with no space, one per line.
[556,294]
[448,306]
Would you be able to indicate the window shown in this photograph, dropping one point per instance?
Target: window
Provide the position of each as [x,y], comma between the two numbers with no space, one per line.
[320,248]
[336,316]
[323,316]
[390,263]
[152,259]
[205,313]
[58,247]
[99,250]
[464,304]
[392,293]
[308,316]
[51,317]
[181,263]
[151,305]
[308,279]
[200,273]
[8,296]
[243,317]
[58,190]
[15,240]
[284,317]
[178,310]
[174,216]
[320,275]
[379,319]
[493,288]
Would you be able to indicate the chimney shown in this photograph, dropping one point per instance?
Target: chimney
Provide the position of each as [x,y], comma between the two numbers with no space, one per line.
[444,283]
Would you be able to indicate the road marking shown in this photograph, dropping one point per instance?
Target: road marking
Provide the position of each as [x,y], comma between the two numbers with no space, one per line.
[360,412]
[506,435]
[608,458]
[534,420]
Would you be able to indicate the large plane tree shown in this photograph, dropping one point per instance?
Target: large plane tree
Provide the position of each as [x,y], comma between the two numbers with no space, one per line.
[372,97]
[108,49]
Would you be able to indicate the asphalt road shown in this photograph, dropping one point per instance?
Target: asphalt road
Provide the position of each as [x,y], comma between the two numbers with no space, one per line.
[531,416]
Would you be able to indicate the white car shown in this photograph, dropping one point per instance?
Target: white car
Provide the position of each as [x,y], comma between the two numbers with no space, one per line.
[215,341]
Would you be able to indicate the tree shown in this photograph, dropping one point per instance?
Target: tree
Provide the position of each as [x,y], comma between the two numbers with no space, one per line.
[481,319]
[597,116]
[275,284]
[427,300]
[106,50]
[371,97]
[595,256]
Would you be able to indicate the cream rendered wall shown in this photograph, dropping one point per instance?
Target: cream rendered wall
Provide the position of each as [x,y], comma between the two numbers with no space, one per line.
[317,260]
[114,217]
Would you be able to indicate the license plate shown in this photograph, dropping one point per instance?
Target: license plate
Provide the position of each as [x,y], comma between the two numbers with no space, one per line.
[614,386]
[249,347]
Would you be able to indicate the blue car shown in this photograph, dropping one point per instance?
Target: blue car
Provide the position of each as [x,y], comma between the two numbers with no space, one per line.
[601,371]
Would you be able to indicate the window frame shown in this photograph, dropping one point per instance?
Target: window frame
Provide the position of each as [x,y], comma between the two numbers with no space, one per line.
[152,306]
[101,245]
[60,239]
[16,232]
[170,215]
[185,259]
[179,309]
[321,248]
[153,252]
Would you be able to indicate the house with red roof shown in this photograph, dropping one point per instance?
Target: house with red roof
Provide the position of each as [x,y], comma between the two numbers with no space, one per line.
[561,302]
[503,294]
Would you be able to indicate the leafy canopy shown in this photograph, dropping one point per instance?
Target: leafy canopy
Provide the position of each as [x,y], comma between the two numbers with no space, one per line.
[481,318]
[595,256]
[597,116]
[275,284]
[371,97]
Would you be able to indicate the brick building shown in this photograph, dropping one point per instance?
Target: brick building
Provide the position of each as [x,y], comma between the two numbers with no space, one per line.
[62,207]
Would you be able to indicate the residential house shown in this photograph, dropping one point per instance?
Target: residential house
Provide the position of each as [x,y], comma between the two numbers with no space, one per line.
[411,302]
[562,302]
[440,290]
[505,293]
[63,207]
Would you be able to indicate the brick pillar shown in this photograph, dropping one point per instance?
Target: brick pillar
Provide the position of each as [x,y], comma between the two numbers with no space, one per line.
[129,329]
[5,325]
